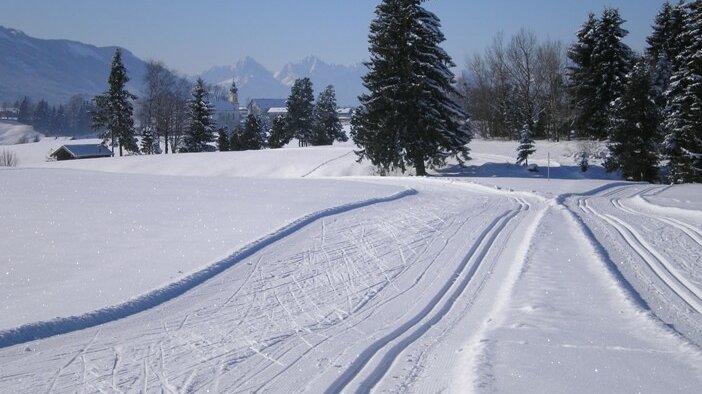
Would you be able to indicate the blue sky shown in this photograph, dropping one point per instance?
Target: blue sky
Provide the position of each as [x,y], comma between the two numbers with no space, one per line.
[192,36]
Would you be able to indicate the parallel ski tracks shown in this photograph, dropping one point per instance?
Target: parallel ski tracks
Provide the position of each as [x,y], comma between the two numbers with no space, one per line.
[390,346]
[659,265]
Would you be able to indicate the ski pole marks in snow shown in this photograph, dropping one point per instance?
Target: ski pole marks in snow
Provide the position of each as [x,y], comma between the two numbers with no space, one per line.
[291,313]
[38,330]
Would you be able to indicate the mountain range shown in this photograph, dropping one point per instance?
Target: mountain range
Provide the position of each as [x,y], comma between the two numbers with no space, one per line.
[255,81]
[55,70]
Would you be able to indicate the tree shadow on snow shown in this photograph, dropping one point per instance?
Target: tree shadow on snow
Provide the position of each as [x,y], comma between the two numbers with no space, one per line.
[507,170]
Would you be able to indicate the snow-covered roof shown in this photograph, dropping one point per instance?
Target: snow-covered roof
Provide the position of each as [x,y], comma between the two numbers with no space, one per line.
[84,151]
[278,110]
[344,111]
[266,103]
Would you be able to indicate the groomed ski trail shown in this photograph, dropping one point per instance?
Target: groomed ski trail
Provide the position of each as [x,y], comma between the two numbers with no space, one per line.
[293,312]
[659,253]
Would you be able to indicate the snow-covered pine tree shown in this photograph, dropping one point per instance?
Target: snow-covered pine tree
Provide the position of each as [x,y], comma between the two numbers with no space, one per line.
[222,139]
[582,76]
[611,62]
[25,112]
[42,117]
[634,131]
[327,126]
[683,115]
[409,117]
[114,111]
[664,46]
[252,136]
[299,119]
[279,136]
[149,141]
[201,125]
[526,146]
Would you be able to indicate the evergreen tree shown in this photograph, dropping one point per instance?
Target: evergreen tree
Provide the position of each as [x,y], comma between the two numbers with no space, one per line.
[582,76]
[252,137]
[664,46]
[223,138]
[611,62]
[42,117]
[149,141]
[59,122]
[26,109]
[114,111]
[634,134]
[526,146]
[279,136]
[327,126]
[235,139]
[683,114]
[201,126]
[409,116]
[299,119]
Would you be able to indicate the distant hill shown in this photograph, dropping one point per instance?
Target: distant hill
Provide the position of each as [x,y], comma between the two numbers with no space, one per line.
[255,81]
[55,70]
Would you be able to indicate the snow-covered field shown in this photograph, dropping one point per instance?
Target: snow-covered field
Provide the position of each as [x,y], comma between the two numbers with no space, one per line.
[293,270]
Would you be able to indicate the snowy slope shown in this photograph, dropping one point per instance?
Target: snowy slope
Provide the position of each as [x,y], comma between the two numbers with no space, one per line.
[493,280]
[17,133]
[79,241]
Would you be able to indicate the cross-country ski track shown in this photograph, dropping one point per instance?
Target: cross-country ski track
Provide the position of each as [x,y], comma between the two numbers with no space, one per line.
[450,286]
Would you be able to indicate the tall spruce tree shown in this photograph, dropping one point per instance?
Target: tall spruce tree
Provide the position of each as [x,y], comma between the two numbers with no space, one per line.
[683,114]
[42,117]
[114,111]
[300,117]
[327,126]
[201,125]
[664,46]
[611,62]
[26,110]
[634,131]
[252,137]
[223,144]
[582,76]
[279,137]
[409,117]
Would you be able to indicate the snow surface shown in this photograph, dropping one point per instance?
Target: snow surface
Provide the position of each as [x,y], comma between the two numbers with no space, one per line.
[230,272]
[79,241]
[12,132]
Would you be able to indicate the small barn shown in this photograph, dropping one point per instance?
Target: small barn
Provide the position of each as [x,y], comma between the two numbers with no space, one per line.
[83,151]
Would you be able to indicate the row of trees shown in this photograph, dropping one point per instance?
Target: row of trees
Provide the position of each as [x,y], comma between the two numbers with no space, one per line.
[310,122]
[183,116]
[648,107]
[72,118]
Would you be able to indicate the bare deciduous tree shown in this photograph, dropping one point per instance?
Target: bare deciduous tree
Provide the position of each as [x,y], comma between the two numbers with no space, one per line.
[517,84]
[8,158]
[163,103]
